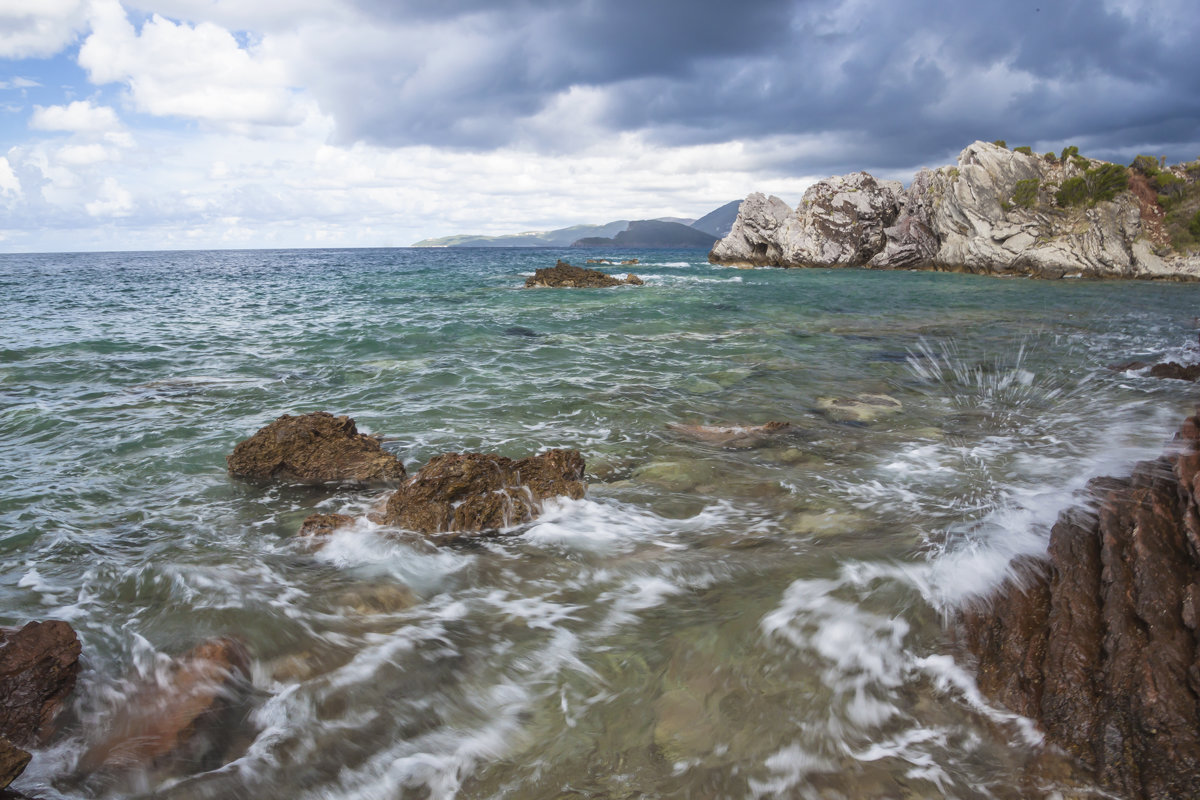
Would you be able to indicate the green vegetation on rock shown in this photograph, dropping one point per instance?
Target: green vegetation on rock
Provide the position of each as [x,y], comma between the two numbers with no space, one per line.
[1001,143]
[1025,194]
[1069,151]
[1097,184]
[1026,149]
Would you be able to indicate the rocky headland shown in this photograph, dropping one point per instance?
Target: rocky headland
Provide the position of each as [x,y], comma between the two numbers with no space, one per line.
[1100,641]
[998,211]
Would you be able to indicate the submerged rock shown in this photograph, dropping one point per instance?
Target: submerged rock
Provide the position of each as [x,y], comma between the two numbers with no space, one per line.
[864,408]
[38,666]
[313,449]
[734,437]
[568,276]
[187,717]
[1101,644]
[459,492]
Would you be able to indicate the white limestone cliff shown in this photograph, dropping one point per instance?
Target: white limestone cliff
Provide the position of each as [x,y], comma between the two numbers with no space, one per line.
[961,219]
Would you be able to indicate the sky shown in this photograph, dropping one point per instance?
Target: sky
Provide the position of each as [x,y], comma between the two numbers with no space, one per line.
[185,124]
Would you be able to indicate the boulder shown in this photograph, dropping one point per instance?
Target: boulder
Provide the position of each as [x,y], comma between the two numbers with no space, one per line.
[38,665]
[314,448]
[464,492]
[1100,643]
[13,761]
[568,276]
[186,716]
[1176,371]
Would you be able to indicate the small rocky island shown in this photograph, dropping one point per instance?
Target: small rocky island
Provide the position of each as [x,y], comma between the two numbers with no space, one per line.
[999,211]
[568,276]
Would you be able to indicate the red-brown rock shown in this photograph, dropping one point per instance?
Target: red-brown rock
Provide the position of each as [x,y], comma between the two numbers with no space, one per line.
[1101,645]
[313,449]
[479,492]
[321,525]
[38,665]
[186,717]
[1176,371]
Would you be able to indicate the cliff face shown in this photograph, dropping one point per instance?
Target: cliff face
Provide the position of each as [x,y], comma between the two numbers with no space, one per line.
[1101,644]
[994,213]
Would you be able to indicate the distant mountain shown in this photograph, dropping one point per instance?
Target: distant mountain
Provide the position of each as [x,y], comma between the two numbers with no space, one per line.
[715,225]
[561,237]
[652,233]
[719,222]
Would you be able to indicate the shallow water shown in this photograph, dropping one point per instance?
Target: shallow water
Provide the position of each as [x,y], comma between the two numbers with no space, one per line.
[709,622]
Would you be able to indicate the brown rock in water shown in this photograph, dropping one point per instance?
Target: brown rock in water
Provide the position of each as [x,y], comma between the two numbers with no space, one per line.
[1101,645]
[478,492]
[314,448]
[629,261]
[1176,371]
[733,437]
[187,717]
[38,665]
[13,761]
[567,276]
[322,525]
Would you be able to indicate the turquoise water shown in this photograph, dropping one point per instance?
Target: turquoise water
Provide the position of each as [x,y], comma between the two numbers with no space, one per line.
[709,622]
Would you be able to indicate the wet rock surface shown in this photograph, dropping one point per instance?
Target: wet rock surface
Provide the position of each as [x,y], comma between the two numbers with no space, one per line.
[469,492]
[319,526]
[185,717]
[568,276]
[38,666]
[314,448]
[1101,643]
[13,761]
[1176,371]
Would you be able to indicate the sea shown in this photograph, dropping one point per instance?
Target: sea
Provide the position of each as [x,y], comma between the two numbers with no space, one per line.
[722,616]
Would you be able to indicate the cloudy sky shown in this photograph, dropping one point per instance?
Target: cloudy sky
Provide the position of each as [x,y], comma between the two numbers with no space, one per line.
[146,124]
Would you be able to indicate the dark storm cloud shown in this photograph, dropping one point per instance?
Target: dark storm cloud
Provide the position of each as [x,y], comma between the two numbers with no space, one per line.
[886,84]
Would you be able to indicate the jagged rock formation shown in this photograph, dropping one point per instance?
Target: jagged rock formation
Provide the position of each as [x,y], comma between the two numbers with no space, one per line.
[568,276]
[1101,644]
[459,492]
[993,213]
[313,449]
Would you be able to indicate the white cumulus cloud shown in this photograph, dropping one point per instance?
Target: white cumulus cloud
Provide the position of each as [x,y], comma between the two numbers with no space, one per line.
[9,185]
[81,116]
[39,28]
[197,71]
[111,201]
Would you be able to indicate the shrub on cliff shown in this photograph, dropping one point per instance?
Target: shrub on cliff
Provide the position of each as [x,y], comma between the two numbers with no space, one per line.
[1025,149]
[1099,183]
[1194,226]
[1025,194]
[1147,165]
[1068,152]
